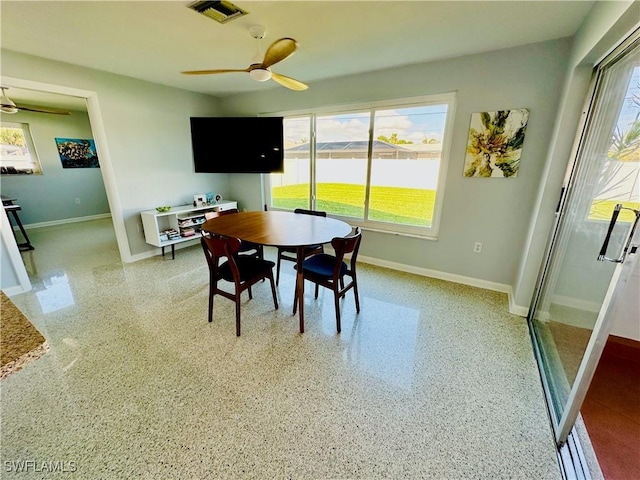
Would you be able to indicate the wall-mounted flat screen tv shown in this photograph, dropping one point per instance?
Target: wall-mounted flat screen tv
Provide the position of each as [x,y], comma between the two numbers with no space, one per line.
[237,144]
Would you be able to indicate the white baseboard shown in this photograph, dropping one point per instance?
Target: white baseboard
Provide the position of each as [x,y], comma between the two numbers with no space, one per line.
[576,303]
[64,221]
[517,309]
[15,290]
[451,277]
[147,254]
[167,250]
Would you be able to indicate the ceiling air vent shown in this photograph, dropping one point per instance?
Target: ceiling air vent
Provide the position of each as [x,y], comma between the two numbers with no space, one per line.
[220,11]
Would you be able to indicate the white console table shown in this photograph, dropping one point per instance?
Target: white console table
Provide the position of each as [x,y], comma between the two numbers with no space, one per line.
[180,221]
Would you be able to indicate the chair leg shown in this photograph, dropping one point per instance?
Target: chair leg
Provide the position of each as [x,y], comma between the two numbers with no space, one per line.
[295,301]
[237,314]
[336,299]
[317,290]
[212,289]
[355,292]
[250,294]
[211,306]
[273,290]
[278,270]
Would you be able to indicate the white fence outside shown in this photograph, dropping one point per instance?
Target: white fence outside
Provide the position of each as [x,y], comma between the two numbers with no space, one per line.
[410,173]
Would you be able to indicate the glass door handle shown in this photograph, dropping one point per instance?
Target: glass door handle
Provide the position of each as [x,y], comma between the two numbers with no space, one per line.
[628,248]
[612,223]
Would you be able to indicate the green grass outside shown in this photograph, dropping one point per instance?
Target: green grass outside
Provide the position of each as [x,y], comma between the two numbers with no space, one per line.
[416,205]
[602,210]
[407,206]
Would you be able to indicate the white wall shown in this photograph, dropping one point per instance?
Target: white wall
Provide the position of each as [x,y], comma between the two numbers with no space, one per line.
[13,274]
[606,24]
[147,133]
[51,196]
[626,316]
[493,211]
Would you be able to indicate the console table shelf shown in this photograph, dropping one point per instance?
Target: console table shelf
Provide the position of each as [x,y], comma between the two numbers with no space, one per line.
[156,224]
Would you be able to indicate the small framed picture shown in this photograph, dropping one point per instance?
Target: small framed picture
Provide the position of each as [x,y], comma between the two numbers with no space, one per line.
[200,200]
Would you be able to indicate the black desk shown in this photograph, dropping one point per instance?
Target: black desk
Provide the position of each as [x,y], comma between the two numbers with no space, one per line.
[11,208]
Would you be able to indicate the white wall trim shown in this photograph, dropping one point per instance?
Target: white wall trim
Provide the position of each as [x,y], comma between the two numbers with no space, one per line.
[11,291]
[450,277]
[576,303]
[516,309]
[64,221]
[100,137]
[148,254]
[9,240]
[167,250]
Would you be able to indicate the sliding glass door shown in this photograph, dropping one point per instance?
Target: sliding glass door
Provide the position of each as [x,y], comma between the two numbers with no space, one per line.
[594,241]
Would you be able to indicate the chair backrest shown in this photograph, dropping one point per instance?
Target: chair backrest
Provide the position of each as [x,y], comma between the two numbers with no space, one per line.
[345,245]
[216,246]
[210,215]
[317,213]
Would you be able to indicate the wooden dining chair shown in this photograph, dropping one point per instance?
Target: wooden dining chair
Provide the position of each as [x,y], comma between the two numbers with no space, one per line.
[248,248]
[241,270]
[290,253]
[330,270]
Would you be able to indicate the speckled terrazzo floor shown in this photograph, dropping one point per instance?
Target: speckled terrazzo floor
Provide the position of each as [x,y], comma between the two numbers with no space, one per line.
[431,380]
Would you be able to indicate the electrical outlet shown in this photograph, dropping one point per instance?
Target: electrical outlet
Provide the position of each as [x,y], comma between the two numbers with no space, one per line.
[78,201]
[477,247]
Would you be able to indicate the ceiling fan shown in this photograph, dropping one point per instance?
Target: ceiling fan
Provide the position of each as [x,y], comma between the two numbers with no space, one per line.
[260,69]
[8,106]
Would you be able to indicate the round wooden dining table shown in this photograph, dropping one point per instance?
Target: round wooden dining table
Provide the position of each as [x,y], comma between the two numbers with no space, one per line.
[281,229]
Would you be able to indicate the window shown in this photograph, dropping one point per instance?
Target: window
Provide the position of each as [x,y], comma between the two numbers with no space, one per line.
[381,166]
[17,152]
[619,180]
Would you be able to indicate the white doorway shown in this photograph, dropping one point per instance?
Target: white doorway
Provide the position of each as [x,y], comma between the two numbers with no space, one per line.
[97,127]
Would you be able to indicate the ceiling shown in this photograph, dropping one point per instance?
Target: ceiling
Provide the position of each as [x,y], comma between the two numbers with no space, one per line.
[155,41]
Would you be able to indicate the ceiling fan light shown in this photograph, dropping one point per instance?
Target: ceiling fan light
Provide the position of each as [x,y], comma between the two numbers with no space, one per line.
[7,104]
[8,109]
[260,74]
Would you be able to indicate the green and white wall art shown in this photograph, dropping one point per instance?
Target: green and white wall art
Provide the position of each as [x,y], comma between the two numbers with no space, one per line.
[495,143]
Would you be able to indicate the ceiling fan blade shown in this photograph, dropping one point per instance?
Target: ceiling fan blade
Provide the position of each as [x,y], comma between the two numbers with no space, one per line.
[278,51]
[8,106]
[210,72]
[289,82]
[30,108]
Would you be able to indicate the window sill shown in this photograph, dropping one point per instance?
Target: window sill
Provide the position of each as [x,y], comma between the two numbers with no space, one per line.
[425,236]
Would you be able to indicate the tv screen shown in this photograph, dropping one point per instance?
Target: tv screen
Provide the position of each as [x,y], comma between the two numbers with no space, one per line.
[237,144]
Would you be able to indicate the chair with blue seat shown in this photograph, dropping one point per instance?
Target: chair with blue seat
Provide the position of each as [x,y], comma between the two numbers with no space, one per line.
[330,271]
[290,253]
[241,270]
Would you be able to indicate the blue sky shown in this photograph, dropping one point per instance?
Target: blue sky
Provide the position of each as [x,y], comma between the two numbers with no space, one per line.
[413,124]
[630,111]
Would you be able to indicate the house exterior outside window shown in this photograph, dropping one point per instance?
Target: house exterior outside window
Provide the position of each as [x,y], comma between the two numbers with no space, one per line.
[381,166]
[17,152]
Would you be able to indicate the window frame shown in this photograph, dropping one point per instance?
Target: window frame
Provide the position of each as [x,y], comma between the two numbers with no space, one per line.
[31,148]
[431,232]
